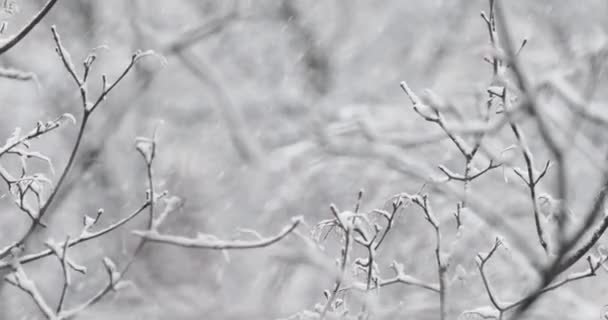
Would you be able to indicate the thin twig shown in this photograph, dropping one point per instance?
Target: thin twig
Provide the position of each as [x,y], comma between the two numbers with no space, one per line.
[422,202]
[75,241]
[204,241]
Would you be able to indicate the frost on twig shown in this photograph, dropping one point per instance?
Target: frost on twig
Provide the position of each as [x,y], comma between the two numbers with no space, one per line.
[19,75]
[20,279]
[593,264]
[85,235]
[82,81]
[431,111]
[28,186]
[209,241]
[485,312]
[18,140]
[423,203]
[114,283]
[404,278]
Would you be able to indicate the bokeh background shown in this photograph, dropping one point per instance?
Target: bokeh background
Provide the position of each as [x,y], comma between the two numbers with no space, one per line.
[249,98]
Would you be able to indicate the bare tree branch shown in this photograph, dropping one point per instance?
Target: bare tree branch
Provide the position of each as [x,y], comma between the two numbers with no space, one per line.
[207,241]
[7,44]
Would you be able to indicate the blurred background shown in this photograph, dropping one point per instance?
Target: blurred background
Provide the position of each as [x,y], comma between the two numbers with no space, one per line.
[272,109]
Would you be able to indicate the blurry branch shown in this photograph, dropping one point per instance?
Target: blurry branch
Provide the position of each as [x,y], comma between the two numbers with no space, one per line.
[564,261]
[391,155]
[472,127]
[309,253]
[501,91]
[249,149]
[245,143]
[593,264]
[533,177]
[477,128]
[209,241]
[458,216]
[21,280]
[532,103]
[454,18]
[389,146]
[568,261]
[15,74]
[580,105]
[315,57]
[7,44]
[194,35]
[576,102]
